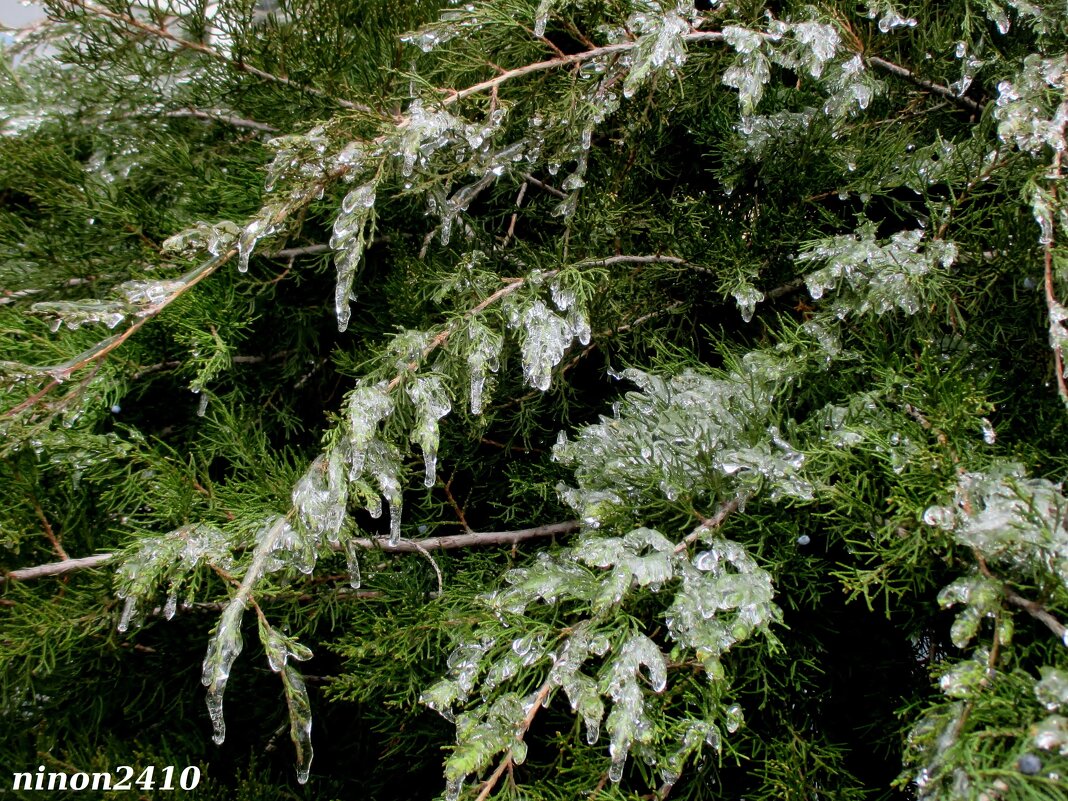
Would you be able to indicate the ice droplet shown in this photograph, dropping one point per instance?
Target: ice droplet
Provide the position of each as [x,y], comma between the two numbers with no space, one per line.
[989,435]
[171,606]
[128,609]
[939,517]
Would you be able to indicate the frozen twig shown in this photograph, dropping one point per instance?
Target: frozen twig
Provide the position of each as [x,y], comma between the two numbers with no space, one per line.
[472,540]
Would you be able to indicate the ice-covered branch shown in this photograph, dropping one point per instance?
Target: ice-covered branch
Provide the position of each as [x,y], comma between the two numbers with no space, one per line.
[524,726]
[472,540]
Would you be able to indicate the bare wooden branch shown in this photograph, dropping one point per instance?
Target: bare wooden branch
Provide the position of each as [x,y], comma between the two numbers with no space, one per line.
[57,568]
[216,115]
[938,89]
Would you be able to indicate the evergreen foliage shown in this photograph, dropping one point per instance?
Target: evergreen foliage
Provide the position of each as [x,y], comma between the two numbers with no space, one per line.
[539,399]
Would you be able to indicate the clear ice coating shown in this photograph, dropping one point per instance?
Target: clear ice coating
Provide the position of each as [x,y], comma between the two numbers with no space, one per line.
[868,276]
[747,297]
[349,240]
[1026,116]
[215,238]
[76,313]
[431,401]
[482,358]
[751,69]
[681,433]
[660,46]
[1052,689]
[300,719]
[541,16]
[1013,521]
[223,649]
[367,407]
[321,495]
[545,336]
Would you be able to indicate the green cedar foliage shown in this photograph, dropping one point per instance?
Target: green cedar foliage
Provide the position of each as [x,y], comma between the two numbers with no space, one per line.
[739,323]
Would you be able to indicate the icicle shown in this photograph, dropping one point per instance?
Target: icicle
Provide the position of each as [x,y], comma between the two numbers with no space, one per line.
[541,17]
[225,646]
[300,720]
[129,608]
[171,606]
[246,243]
[352,560]
[546,338]
[484,356]
[349,239]
[432,403]
[367,407]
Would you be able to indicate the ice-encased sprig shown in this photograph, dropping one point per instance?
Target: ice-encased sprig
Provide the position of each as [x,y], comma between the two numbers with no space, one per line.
[432,402]
[353,229]
[1009,519]
[280,648]
[168,559]
[76,313]
[724,598]
[226,643]
[661,46]
[483,358]
[872,276]
[544,338]
[223,649]
[321,495]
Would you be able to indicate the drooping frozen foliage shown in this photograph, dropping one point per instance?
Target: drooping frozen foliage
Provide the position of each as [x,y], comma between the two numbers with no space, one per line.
[681,436]
[868,276]
[814,240]
[723,598]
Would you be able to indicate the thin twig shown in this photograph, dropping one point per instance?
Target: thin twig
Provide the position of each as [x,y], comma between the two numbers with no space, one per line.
[433,564]
[222,116]
[938,89]
[552,190]
[49,533]
[564,61]
[709,523]
[524,726]
[1033,608]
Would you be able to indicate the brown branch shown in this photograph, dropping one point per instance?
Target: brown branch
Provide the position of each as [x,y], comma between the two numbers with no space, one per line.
[708,523]
[210,52]
[506,763]
[552,190]
[938,89]
[1033,608]
[49,533]
[221,116]
[608,262]
[1037,611]
[57,568]
[574,58]
[472,540]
